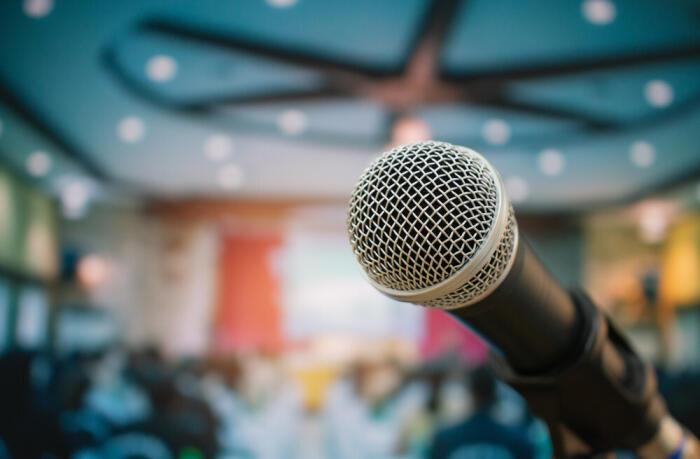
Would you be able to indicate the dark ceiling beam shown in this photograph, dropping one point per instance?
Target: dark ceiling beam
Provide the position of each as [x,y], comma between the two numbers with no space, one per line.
[107,59]
[212,110]
[53,134]
[675,111]
[205,105]
[245,44]
[435,27]
[549,69]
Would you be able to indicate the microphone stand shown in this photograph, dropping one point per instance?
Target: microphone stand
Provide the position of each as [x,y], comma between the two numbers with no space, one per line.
[601,397]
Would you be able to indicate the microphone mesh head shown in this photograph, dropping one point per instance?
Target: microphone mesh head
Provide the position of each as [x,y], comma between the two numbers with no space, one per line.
[486,278]
[428,214]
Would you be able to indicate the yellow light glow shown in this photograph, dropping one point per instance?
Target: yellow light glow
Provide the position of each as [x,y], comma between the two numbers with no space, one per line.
[680,280]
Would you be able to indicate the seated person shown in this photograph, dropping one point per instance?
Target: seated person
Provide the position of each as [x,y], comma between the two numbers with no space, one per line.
[480,436]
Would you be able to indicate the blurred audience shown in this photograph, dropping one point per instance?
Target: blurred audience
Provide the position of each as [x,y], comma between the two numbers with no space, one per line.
[116,404]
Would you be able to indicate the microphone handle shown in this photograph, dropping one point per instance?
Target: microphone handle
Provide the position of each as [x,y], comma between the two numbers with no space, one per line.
[569,361]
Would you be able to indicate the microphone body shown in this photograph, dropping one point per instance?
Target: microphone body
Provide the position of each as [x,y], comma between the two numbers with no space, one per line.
[430,223]
[564,356]
[529,317]
[567,360]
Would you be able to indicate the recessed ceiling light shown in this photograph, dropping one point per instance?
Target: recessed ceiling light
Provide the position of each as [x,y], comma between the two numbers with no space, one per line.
[218,147]
[658,93]
[161,68]
[292,122]
[131,129]
[551,162]
[599,12]
[281,3]
[37,8]
[642,154]
[230,177]
[517,188]
[496,132]
[75,197]
[38,163]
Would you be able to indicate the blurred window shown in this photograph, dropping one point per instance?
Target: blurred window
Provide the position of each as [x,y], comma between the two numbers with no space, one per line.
[32,317]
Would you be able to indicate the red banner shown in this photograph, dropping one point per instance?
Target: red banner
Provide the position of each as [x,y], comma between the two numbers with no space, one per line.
[248,310]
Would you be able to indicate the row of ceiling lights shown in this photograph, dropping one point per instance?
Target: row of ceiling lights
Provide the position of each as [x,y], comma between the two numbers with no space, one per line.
[132,129]
[658,94]
[75,193]
[218,147]
[598,12]
[40,8]
[552,162]
[161,68]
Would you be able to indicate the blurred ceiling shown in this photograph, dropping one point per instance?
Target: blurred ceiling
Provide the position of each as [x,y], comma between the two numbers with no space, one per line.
[577,103]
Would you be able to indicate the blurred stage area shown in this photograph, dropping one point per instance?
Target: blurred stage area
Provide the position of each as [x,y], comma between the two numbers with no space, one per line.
[176,279]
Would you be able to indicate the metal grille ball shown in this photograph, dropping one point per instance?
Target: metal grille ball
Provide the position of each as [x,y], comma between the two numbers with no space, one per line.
[420,213]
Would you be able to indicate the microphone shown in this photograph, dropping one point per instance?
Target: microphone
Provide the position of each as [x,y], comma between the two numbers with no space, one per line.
[430,223]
